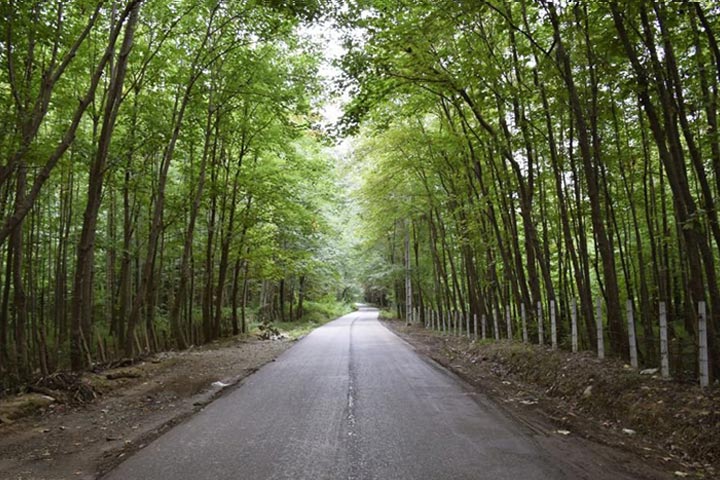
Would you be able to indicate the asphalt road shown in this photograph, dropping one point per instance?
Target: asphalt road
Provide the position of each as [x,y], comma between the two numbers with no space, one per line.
[353,401]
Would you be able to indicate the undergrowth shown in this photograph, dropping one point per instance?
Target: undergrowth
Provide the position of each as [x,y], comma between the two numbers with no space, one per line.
[316,314]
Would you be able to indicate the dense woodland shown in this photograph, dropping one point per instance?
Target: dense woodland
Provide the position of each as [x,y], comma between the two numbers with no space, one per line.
[162,181]
[551,152]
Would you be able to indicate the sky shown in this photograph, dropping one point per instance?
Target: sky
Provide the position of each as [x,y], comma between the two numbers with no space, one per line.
[329,38]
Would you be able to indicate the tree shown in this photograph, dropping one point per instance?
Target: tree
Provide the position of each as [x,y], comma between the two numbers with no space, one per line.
[544,150]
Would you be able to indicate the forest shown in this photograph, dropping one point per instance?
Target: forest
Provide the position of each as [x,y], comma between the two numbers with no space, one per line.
[166,178]
[163,183]
[532,160]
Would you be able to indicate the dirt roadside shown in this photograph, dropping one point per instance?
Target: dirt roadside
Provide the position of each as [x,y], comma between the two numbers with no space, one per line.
[136,404]
[653,428]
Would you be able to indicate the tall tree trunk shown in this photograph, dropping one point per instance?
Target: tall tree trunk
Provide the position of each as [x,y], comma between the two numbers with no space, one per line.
[190,232]
[4,313]
[19,298]
[83,286]
[207,303]
[616,331]
[680,106]
[244,297]
[226,238]
[300,311]
[664,131]
[181,104]
[234,297]
[14,221]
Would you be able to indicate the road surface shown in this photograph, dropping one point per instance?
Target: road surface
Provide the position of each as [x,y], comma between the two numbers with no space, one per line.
[353,401]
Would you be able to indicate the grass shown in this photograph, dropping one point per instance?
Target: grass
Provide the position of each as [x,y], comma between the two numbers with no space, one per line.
[296,330]
[388,314]
[316,315]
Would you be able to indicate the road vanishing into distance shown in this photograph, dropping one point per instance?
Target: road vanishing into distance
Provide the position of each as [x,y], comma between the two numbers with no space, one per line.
[354,401]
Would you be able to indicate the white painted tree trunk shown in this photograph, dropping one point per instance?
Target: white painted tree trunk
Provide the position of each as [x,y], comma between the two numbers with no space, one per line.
[475,325]
[508,321]
[664,354]
[599,325]
[523,317]
[541,326]
[495,324]
[574,326]
[553,325]
[703,345]
[632,343]
[408,278]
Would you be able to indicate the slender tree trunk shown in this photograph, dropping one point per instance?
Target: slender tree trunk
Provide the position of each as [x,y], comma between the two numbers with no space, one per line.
[156,222]
[234,296]
[189,235]
[711,99]
[207,304]
[680,106]
[7,281]
[616,331]
[697,251]
[83,286]
[14,221]
[281,299]
[300,311]
[19,297]
[244,297]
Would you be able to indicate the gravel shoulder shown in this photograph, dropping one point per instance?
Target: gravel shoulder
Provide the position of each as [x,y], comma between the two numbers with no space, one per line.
[135,404]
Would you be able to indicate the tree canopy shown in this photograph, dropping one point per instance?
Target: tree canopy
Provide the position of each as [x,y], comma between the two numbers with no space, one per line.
[165,179]
[540,154]
[162,176]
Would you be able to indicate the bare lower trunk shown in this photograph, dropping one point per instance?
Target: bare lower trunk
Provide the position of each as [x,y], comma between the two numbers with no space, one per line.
[19,298]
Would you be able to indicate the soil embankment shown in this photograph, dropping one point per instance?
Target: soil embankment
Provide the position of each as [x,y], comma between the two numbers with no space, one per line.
[674,426]
[79,427]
